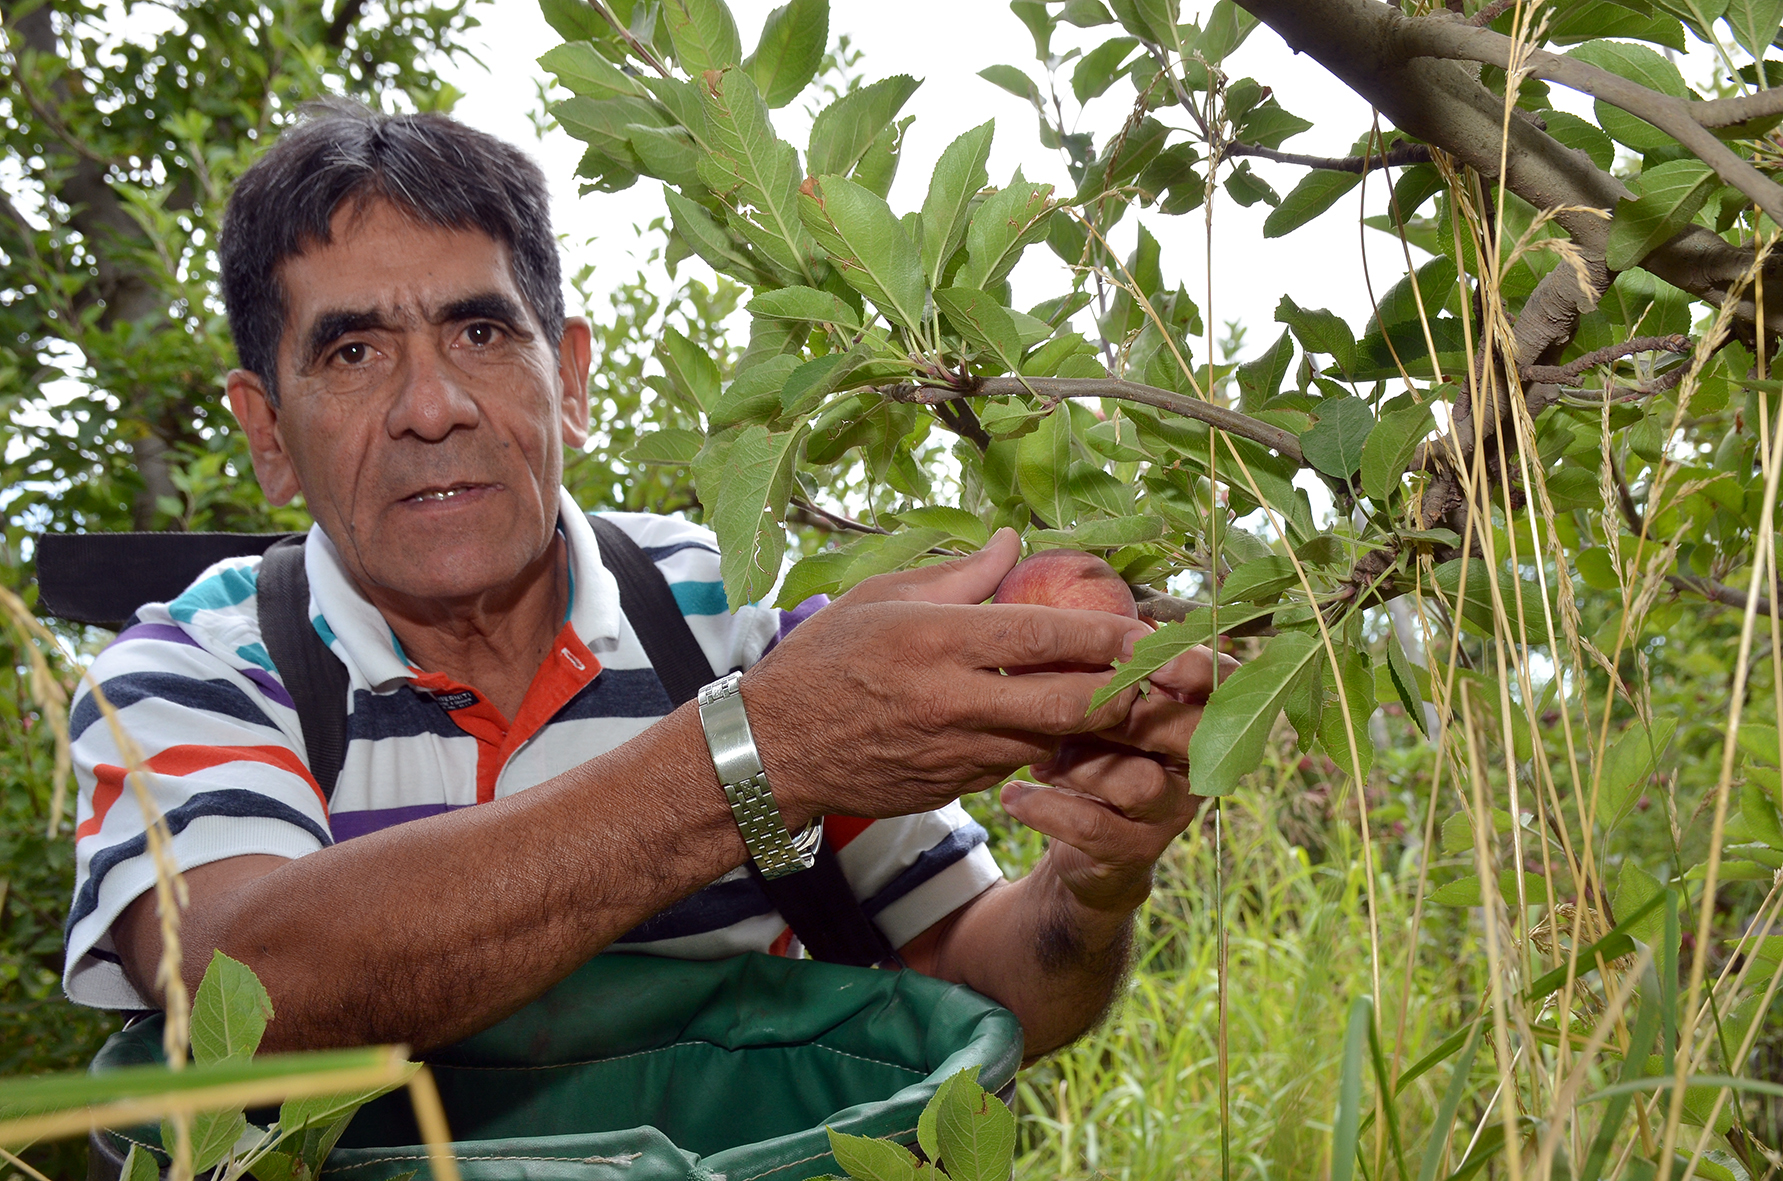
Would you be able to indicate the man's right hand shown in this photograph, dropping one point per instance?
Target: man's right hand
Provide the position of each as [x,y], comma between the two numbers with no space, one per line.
[891,700]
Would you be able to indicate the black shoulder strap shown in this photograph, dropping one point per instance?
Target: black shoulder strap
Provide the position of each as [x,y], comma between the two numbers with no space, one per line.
[102,578]
[818,903]
[313,675]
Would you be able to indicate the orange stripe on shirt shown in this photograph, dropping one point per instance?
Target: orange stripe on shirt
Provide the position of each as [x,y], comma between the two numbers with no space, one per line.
[184,760]
[839,830]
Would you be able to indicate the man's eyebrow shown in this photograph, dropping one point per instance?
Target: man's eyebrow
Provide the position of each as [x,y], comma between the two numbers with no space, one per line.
[489,305]
[331,326]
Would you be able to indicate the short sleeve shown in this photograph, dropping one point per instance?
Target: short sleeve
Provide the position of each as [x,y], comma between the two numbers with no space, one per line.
[222,764]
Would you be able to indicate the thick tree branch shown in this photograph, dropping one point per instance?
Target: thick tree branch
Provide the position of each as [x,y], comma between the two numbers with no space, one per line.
[1396,156]
[1286,443]
[1438,37]
[344,16]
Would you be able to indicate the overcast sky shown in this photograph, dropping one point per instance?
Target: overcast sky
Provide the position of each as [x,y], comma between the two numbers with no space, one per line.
[945,43]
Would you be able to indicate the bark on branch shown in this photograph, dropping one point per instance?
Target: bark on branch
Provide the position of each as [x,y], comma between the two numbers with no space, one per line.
[1570,371]
[1284,442]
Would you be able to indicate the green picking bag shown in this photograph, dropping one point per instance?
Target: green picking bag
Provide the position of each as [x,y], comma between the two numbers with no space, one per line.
[649,1069]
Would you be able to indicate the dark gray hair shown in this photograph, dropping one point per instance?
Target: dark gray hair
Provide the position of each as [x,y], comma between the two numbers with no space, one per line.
[431,167]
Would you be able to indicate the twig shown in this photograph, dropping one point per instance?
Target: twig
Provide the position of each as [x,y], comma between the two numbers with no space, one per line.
[1716,592]
[1558,374]
[1490,13]
[960,418]
[1284,442]
[625,34]
[1728,112]
[823,518]
[1440,38]
[1397,155]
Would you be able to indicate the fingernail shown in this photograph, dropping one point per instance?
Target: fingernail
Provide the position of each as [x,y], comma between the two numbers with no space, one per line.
[1130,639]
[1017,790]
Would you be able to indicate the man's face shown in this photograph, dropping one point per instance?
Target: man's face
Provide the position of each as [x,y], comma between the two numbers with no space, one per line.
[422,411]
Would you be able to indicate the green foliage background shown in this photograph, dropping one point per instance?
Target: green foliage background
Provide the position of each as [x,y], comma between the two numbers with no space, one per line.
[889,404]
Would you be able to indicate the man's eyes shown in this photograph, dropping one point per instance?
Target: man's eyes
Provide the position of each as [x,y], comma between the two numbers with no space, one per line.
[483,334]
[357,353]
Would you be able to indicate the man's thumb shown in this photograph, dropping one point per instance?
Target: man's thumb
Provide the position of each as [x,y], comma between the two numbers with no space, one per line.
[971,579]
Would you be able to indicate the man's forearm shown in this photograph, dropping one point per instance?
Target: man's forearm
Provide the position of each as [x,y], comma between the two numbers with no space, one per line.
[426,933]
[1034,948]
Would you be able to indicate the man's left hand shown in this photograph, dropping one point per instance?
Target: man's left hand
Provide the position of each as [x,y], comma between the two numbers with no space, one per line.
[1114,801]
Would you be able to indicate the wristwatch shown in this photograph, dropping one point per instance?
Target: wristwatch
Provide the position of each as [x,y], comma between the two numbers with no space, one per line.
[775,851]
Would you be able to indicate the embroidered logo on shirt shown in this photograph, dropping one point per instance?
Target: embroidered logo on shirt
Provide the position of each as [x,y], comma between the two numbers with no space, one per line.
[463,699]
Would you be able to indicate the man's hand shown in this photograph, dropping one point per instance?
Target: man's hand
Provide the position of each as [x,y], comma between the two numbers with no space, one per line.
[1113,801]
[891,700]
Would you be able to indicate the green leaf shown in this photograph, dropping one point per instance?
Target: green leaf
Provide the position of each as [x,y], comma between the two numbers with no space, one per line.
[1335,442]
[1581,136]
[1096,70]
[928,1136]
[1260,580]
[1224,30]
[1358,688]
[958,524]
[1260,379]
[1760,742]
[1104,533]
[1153,652]
[1317,191]
[820,573]
[1638,64]
[1405,681]
[1086,14]
[704,35]
[1346,1128]
[976,1133]
[1228,743]
[879,167]
[1042,462]
[881,553]
[867,1159]
[807,386]
[790,50]
[804,303]
[745,487]
[140,1165]
[710,240]
[214,1134]
[1668,196]
[1628,763]
[1755,24]
[844,130]
[229,1012]
[582,70]
[691,370]
[1268,124]
[959,175]
[866,245]
[1390,446]
[985,323]
[1319,331]
[574,21]
[1466,891]
[1012,80]
[760,170]
[754,395]
[1007,223]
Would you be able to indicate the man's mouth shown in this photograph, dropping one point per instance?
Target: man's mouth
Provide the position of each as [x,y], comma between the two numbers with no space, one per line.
[441,494]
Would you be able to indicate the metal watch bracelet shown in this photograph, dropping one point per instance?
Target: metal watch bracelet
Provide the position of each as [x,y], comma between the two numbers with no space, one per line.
[775,852]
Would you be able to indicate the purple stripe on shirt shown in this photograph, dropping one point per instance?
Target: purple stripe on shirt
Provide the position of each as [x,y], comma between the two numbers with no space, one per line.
[798,615]
[347,825]
[269,685]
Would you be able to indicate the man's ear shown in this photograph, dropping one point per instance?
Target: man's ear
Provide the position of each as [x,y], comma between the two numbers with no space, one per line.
[259,420]
[574,356]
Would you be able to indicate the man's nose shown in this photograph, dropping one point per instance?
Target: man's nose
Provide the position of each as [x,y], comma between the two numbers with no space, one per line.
[431,398]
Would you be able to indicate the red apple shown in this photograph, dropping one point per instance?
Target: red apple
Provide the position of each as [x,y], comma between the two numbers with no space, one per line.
[1071,579]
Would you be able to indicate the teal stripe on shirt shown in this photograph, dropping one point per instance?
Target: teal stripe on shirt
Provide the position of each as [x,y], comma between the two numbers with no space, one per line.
[700,598]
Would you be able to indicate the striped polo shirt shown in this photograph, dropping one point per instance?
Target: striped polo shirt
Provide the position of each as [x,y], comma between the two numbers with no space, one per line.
[196,691]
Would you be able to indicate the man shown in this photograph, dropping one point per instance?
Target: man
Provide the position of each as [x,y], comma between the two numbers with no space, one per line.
[393,289]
